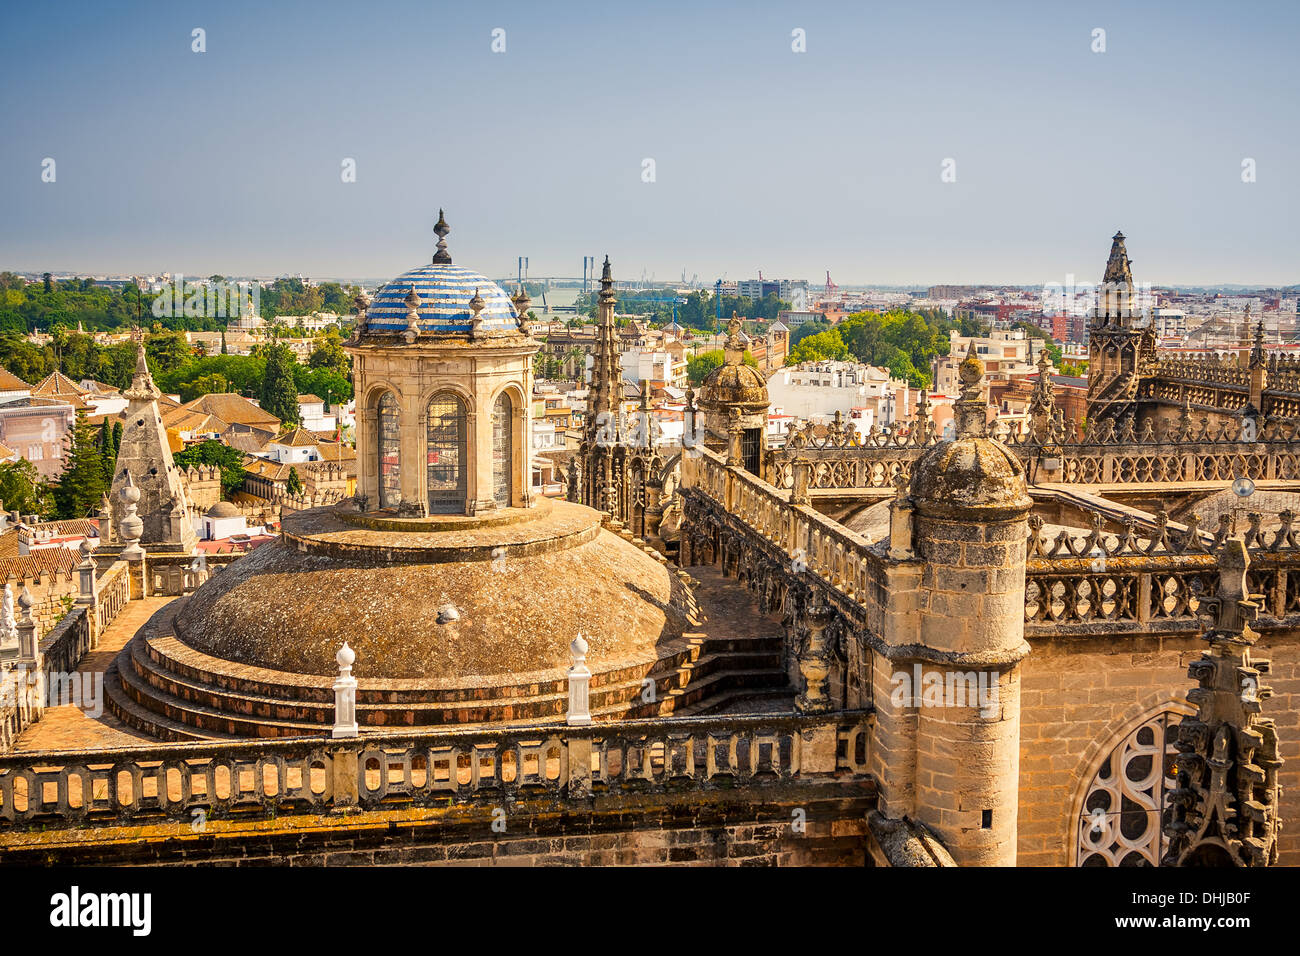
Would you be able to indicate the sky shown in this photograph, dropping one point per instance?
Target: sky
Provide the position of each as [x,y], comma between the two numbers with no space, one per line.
[832,159]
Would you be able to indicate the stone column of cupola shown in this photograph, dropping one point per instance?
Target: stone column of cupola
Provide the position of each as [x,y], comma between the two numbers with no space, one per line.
[413,431]
[478,427]
[521,478]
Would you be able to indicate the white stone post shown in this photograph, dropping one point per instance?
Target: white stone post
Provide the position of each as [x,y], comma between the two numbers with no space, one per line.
[579,685]
[89,587]
[29,657]
[345,695]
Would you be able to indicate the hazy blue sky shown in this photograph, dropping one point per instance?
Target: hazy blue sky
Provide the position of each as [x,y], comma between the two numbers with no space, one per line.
[792,163]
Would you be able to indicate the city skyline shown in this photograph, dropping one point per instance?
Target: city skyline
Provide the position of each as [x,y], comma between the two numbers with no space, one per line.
[792,163]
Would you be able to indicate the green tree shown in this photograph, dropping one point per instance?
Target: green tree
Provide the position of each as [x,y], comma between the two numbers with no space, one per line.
[294,484]
[21,489]
[819,347]
[107,453]
[81,486]
[279,389]
[329,354]
[167,351]
[699,366]
[204,385]
[211,452]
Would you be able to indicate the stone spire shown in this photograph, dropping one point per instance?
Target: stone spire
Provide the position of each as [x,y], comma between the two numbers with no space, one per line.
[1042,403]
[442,256]
[1224,810]
[1118,267]
[606,372]
[1257,357]
[144,462]
[142,385]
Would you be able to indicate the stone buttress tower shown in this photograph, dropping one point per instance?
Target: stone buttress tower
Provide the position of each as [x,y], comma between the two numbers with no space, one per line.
[1119,345]
[146,458]
[946,678]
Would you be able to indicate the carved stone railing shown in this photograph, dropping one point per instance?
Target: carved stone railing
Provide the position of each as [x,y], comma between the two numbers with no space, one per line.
[160,782]
[798,537]
[1163,540]
[1081,597]
[173,575]
[1179,451]
[61,650]
[1123,579]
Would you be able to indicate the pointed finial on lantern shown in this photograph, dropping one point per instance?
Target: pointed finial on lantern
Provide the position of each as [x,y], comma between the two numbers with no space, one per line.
[442,256]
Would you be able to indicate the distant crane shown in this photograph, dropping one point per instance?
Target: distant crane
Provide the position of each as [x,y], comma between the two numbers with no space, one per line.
[831,287]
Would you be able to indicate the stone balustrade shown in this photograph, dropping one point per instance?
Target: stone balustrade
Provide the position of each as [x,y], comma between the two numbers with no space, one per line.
[1075,582]
[173,575]
[161,782]
[61,648]
[1217,453]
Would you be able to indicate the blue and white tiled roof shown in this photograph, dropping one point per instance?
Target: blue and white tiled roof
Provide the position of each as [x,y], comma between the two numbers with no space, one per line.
[444,291]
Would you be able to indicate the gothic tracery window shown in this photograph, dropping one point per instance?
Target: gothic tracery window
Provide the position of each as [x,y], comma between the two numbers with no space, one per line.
[1120,824]
[389,451]
[502,449]
[446,454]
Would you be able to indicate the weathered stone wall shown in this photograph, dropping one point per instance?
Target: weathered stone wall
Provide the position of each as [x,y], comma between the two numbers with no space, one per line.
[1081,696]
[689,829]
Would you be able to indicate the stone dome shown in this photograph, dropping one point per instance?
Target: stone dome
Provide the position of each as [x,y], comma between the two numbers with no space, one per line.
[521,590]
[969,474]
[223,509]
[972,476]
[734,385]
[445,291]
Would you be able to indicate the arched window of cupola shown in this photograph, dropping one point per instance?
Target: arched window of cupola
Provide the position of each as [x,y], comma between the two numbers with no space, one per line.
[388,432]
[446,454]
[502,449]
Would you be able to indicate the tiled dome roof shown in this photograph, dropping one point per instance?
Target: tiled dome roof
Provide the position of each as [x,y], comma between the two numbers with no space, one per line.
[444,291]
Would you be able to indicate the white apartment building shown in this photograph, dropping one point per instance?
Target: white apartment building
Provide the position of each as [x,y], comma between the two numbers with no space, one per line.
[815,391]
[656,366]
[1004,352]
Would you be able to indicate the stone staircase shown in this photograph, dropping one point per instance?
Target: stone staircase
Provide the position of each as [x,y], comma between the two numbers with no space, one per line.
[162,687]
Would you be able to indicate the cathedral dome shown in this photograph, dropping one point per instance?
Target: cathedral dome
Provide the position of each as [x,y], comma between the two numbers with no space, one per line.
[445,298]
[445,292]
[477,603]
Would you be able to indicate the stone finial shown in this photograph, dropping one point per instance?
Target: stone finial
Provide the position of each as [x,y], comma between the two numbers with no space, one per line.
[969,410]
[413,303]
[476,305]
[737,341]
[520,301]
[441,229]
[579,714]
[1257,357]
[361,304]
[345,695]
[142,387]
[131,525]
[8,623]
